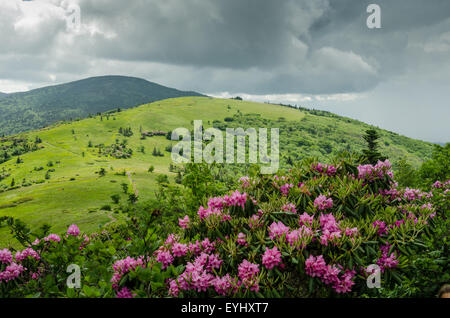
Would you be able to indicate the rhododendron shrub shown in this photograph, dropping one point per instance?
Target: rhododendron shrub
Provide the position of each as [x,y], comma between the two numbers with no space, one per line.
[271,238]
[312,231]
[39,269]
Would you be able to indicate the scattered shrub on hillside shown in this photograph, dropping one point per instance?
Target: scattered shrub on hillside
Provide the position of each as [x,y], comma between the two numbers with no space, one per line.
[102,172]
[106,207]
[115,198]
[118,150]
[157,153]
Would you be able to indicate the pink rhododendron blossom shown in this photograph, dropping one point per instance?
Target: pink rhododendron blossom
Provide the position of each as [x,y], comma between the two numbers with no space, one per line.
[329,170]
[290,207]
[285,188]
[5,256]
[271,258]
[11,272]
[248,273]
[369,173]
[277,230]
[382,228]
[195,248]
[184,222]
[387,261]
[323,203]
[411,194]
[296,236]
[123,266]
[52,237]
[306,219]
[174,290]
[208,246]
[225,285]
[437,185]
[241,239]
[245,182]
[73,230]
[171,239]
[179,250]
[28,252]
[351,231]
[255,221]
[165,258]
[124,293]
[330,274]
[315,266]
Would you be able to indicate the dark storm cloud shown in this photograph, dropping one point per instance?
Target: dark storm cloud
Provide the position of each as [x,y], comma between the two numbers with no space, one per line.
[315,47]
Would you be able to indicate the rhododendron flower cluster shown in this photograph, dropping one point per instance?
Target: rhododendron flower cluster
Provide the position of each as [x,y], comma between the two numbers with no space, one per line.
[330,170]
[277,230]
[123,266]
[236,199]
[298,235]
[246,182]
[11,272]
[165,258]
[248,273]
[179,249]
[216,205]
[285,188]
[390,194]
[124,293]
[382,228]
[241,239]
[386,260]
[416,194]
[198,275]
[323,203]
[437,184]
[184,222]
[330,274]
[52,237]
[351,231]
[5,256]
[306,219]
[369,173]
[271,258]
[225,285]
[330,228]
[73,230]
[290,207]
[255,221]
[29,252]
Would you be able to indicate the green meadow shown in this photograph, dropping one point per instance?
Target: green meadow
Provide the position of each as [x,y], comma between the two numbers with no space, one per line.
[75,192]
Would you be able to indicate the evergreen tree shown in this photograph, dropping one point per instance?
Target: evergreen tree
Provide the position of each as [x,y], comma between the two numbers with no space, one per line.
[371,154]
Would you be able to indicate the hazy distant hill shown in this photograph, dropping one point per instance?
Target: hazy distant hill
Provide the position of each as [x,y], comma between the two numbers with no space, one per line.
[2,95]
[40,107]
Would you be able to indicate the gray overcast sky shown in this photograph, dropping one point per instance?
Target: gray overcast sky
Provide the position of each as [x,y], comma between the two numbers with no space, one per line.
[315,53]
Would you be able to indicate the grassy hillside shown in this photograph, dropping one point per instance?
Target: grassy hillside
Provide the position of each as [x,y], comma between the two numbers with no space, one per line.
[40,107]
[74,191]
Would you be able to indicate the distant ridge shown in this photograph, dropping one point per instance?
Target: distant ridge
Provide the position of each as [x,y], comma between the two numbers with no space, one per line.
[41,107]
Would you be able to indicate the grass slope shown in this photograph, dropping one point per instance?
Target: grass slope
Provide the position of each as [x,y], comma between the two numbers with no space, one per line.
[75,192]
[40,107]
